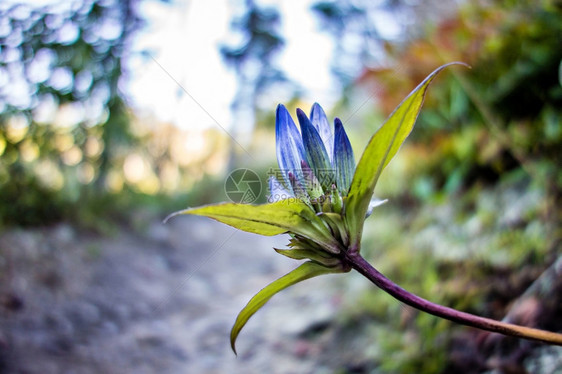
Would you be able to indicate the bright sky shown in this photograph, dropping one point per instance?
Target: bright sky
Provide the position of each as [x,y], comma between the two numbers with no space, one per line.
[183,40]
[183,80]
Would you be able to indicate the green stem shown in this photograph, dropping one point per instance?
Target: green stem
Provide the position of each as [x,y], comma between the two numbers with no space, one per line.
[362,266]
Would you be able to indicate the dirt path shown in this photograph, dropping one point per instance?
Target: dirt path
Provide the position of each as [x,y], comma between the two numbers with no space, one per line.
[160,301]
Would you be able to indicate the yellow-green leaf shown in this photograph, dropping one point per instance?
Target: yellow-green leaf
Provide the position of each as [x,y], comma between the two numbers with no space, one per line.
[291,215]
[310,254]
[303,272]
[379,151]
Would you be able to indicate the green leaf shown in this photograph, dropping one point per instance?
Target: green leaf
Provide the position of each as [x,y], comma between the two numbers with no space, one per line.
[381,148]
[290,215]
[309,254]
[303,272]
[335,222]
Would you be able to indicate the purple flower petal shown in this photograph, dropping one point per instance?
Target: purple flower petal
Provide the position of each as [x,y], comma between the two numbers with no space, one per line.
[344,162]
[375,202]
[315,152]
[290,151]
[321,124]
[277,191]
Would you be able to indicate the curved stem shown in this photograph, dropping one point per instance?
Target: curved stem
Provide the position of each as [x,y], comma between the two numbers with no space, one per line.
[362,266]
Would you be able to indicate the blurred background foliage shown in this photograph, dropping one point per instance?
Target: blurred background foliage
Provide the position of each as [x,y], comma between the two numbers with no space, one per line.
[478,186]
[64,123]
[479,183]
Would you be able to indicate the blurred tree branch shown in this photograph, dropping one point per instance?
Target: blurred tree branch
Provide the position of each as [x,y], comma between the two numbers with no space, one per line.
[60,69]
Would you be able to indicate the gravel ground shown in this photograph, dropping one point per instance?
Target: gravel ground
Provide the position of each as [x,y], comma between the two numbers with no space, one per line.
[160,301]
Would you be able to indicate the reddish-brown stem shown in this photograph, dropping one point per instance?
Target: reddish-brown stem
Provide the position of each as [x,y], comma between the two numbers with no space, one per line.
[362,266]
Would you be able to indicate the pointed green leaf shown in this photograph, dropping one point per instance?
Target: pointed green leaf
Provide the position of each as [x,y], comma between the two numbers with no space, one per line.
[303,272]
[307,253]
[290,215]
[381,148]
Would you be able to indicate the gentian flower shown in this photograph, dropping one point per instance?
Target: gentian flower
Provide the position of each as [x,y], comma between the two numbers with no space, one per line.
[314,162]
[321,199]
